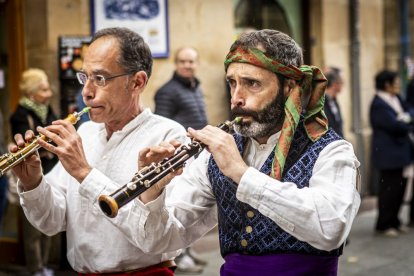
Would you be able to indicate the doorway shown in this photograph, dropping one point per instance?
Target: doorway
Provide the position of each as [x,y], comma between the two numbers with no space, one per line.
[12,63]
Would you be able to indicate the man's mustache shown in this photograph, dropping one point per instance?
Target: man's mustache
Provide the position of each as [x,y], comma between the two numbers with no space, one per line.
[238,111]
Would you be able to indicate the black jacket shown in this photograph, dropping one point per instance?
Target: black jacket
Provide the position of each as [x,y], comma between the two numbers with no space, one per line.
[334,122]
[182,101]
[391,147]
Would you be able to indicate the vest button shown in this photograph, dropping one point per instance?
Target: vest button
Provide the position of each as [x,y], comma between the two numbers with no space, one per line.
[249,229]
[244,243]
[250,214]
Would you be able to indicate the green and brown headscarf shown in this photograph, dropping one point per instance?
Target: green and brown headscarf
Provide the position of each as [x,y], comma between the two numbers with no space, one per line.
[310,84]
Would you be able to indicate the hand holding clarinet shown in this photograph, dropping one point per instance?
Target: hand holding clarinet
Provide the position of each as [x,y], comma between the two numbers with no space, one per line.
[24,160]
[159,162]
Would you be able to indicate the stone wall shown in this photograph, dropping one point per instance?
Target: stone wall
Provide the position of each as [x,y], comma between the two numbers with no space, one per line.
[330,32]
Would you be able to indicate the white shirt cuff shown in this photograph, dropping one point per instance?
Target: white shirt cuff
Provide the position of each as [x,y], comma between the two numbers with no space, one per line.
[156,205]
[34,194]
[93,185]
[251,186]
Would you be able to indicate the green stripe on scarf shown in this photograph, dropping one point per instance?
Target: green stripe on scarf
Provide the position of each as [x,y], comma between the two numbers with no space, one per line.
[310,88]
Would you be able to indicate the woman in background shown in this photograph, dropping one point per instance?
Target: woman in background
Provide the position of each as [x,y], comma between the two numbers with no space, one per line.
[392,153]
[34,110]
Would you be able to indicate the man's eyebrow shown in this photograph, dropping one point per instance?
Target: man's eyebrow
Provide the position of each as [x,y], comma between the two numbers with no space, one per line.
[243,78]
[100,72]
[250,79]
[96,72]
[229,76]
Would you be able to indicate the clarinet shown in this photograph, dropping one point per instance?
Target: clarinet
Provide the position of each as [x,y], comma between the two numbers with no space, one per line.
[149,175]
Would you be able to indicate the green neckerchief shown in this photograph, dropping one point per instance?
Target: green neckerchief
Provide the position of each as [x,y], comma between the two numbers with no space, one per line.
[309,91]
[39,109]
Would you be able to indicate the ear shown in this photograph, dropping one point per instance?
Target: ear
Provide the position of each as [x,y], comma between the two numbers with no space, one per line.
[289,84]
[139,81]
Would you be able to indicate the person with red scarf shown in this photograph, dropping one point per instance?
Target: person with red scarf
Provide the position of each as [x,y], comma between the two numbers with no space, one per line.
[283,188]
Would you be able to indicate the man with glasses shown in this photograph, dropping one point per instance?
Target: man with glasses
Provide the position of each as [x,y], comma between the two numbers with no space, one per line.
[97,159]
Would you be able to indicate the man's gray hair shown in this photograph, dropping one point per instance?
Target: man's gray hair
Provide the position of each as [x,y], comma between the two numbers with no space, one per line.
[277,45]
[135,55]
[332,74]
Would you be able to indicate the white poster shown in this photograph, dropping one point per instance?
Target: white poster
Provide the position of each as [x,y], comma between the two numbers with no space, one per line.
[147,17]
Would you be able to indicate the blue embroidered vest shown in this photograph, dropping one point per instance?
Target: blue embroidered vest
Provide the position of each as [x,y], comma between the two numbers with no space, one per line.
[242,229]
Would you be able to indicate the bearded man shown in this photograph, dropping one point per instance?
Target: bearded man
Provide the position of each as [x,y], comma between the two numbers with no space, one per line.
[284,185]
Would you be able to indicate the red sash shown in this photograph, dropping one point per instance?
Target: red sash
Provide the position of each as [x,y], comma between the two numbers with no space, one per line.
[162,269]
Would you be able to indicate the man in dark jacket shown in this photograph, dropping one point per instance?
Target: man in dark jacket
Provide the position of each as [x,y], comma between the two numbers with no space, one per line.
[181,98]
[332,110]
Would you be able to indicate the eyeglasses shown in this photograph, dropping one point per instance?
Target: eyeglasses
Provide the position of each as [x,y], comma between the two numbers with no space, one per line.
[98,80]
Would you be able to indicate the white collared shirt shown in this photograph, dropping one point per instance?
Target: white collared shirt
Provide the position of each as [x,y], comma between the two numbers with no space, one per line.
[255,154]
[96,243]
[321,214]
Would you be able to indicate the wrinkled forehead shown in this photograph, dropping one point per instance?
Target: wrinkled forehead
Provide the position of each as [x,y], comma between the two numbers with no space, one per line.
[245,70]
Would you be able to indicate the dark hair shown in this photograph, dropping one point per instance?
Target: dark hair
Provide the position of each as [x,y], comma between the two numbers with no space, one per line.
[135,55]
[277,45]
[332,74]
[383,78]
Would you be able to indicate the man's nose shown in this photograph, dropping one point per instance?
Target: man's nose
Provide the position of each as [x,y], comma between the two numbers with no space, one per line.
[238,96]
[88,90]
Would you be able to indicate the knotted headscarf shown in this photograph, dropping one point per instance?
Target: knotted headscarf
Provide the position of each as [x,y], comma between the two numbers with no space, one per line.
[308,94]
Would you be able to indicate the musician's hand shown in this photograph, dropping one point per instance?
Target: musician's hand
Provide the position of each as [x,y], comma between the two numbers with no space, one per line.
[30,171]
[68,148]
[224,150]
[154,155]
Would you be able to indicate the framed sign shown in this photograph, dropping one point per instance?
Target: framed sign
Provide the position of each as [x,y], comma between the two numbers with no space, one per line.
[71,50]
[149,18]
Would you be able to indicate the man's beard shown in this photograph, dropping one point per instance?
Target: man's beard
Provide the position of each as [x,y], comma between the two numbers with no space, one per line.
[264,122]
